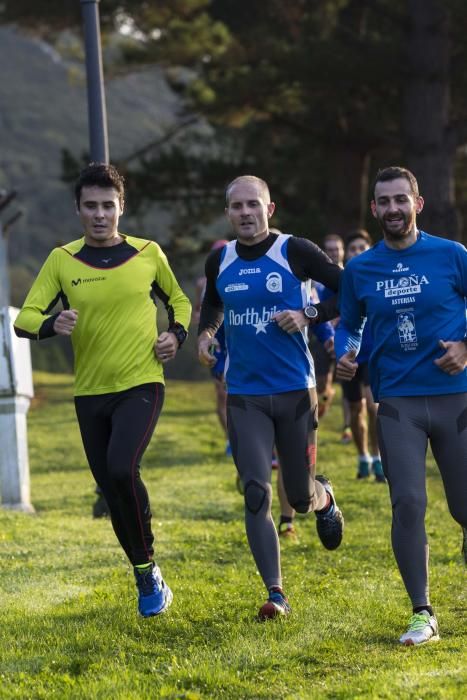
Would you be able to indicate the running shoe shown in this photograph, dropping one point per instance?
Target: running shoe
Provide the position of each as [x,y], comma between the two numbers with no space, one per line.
[276,605]
[377,469]
[364,466]
[287,531]
[464,543]
[422,628]
[346,437]
[228,449]
[154,595]
[100,508]
[330,523]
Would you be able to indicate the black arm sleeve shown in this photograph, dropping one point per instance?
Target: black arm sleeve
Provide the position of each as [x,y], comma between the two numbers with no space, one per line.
[212,308]
[308,261]
[45,331]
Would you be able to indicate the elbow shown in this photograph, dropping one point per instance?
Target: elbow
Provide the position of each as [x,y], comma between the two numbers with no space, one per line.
[21,333]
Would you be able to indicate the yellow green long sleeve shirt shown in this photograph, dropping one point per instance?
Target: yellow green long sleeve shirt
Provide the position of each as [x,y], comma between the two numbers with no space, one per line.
[114,337]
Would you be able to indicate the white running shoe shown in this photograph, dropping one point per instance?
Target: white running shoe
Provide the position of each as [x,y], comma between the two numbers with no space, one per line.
[422,628]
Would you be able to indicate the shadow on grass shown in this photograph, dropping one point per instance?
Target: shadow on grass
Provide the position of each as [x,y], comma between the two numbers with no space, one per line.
[74,640]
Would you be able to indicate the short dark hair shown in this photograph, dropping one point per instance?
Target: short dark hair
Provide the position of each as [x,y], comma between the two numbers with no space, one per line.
[358,233]
[394,172]
[100,175]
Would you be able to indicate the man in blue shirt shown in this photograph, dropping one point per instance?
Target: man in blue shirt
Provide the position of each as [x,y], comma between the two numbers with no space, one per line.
[412,289]
[259,285]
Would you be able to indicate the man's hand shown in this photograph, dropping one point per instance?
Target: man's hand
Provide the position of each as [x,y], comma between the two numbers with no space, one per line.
[65,322]
[291,321]
[166,347]
[346,366]
[206,348]
[454,359]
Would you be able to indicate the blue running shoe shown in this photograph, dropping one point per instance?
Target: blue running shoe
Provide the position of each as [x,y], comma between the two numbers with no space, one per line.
[154,595]
[276,605]
[228,449]
[377,469]
[330,523]
[364,466]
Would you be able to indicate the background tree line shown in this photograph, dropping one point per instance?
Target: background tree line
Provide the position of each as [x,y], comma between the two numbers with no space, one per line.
[313,96]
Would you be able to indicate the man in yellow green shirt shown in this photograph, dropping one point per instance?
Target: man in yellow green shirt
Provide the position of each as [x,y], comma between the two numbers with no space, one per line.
[108,283]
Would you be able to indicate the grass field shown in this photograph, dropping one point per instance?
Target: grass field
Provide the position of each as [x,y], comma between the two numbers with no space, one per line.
[69,628]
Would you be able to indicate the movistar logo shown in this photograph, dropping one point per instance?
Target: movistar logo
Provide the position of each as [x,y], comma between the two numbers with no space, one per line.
[86,280]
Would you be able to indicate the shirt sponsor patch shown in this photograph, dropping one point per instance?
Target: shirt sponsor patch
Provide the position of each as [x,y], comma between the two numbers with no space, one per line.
[236,287]
[274,282]
[251,317]
[411,284]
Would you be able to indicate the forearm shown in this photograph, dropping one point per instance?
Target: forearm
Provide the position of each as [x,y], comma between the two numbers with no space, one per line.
[327,309]
[31,324]
[346,339]
[211,318]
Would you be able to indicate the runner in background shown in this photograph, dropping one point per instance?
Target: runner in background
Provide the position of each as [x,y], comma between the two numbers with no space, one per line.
[363,409]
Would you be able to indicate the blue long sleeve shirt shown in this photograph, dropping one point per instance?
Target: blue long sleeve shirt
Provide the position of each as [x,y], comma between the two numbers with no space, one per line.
[412,299]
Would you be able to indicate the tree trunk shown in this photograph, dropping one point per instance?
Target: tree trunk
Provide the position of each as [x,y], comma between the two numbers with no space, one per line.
[429,149]
[346,198]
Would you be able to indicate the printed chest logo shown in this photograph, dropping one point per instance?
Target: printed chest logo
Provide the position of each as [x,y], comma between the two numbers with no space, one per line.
[274,282]
[407,331]
[86,280]
[401,290]
[236,287]
[251,317]
[400,268]
[249,271]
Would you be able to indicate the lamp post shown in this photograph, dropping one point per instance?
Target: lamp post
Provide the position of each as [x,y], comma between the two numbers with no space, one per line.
[97,114]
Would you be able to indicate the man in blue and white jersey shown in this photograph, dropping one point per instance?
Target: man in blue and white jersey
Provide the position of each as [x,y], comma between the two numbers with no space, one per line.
[412,289]
[259,285]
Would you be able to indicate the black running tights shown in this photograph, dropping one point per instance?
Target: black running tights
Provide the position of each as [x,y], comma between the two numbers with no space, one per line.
[116,429]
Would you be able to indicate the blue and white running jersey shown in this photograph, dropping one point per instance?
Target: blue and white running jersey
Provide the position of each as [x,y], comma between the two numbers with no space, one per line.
[262,358]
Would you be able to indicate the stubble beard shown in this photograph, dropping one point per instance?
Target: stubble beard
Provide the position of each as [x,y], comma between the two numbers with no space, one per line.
[401,233]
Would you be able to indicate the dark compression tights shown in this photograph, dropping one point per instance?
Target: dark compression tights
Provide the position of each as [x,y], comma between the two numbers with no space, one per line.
[405,426]
[116,429]
[256,424]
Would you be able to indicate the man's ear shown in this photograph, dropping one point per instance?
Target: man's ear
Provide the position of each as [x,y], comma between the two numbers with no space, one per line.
[271,209]
[373,208]
[419,204]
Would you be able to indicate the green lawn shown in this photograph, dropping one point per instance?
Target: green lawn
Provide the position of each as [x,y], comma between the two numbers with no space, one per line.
[69,628]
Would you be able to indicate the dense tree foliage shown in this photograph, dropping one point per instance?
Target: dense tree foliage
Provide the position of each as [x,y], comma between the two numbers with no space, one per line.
[312,96]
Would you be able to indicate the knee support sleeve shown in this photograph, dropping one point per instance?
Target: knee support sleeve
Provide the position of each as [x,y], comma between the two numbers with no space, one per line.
[255,495]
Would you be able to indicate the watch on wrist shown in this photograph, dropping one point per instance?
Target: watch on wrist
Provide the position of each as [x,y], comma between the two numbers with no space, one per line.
[311,312]
[179,332]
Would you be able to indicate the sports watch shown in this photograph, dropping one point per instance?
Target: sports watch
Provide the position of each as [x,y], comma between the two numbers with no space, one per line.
[311,312]
[179,332]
